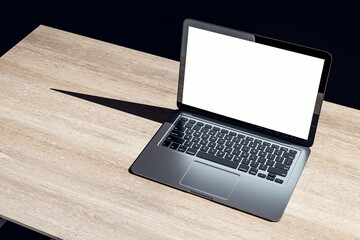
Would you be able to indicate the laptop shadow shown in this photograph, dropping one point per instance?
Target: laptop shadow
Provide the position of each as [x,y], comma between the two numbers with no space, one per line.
[157,114]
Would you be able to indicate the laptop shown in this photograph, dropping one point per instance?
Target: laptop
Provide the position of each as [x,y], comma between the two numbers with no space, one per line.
[248,108]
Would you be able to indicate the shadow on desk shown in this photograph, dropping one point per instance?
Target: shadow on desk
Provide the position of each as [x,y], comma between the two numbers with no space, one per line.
[157,114]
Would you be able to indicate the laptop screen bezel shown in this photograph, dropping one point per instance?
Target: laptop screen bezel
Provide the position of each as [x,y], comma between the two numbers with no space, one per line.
[266,41]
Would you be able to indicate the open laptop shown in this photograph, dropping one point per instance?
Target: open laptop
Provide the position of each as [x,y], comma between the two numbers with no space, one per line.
[248,112]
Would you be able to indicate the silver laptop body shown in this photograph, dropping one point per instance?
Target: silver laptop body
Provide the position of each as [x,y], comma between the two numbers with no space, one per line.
[248,111]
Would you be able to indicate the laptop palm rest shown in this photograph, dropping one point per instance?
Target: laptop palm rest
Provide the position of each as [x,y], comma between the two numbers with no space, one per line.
[209,181]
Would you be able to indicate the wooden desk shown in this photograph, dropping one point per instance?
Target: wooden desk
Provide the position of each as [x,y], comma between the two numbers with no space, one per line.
[64,159]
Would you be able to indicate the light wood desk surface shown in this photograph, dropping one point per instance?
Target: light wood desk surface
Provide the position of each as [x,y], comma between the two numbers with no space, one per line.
[64,160]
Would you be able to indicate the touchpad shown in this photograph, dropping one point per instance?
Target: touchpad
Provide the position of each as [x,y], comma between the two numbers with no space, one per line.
[209,180]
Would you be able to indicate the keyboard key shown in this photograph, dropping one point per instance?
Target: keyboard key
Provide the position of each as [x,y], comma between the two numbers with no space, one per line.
[191,151]
[262,154]
[229,144]
[263,167]
[187,137]
[288,155]
[204,130]
[189,131]
[261,160]
[237,146]
[179,128]
[216,129]
[270,156]
[279,159]
[292,151]
[252,144]
[270,178]
[224,131]
[237,159]
[220,135]
[278,152]
[243,167]
[275,146]
[270,162]
[249,138]
[278,180]
[212,139]
[174,146]
[267,144]
[196,139]
[220,141]
[244,154]
[196,127]
[204,142]
[254,151]
[177,133]
[261,175]
[245,161]
[196,146]
[220,154]
[269,150]
[166,143]
[282,166]
[252,157]
[175,139]
[232,133]
[208,126]
[241,135]
[236,140]
[227,137]
[181,123]
[219,147]
[182,148]
[200,124]
[189,125]
[258,141]
[228,149]
[272,175]
[254,164]
[261,147]
[197,134]
[236,152]
[184,119]
[277,171]
[284,149]
[216,159]
[188,144]
[253,171]
[212,151]
[212,144]
[288,161]
[204,148]
[211,132]
[228,156]
[245,142]
[205,136]
[245,149]
[192,121]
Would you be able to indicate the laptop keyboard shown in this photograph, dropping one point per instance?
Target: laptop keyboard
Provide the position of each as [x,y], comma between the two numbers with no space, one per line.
[233,149]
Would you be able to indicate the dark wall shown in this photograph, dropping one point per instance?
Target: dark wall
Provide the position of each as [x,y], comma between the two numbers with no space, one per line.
[156,28]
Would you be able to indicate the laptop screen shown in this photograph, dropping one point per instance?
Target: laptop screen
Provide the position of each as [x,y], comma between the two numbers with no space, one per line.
[248,81]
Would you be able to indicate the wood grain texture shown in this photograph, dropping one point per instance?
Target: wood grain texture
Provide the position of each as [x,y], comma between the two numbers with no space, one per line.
[64,160]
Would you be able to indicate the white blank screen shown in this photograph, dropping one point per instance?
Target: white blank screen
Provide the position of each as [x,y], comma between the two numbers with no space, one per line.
[251,82]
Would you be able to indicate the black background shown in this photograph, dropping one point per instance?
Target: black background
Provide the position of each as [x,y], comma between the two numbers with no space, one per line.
[155,27]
